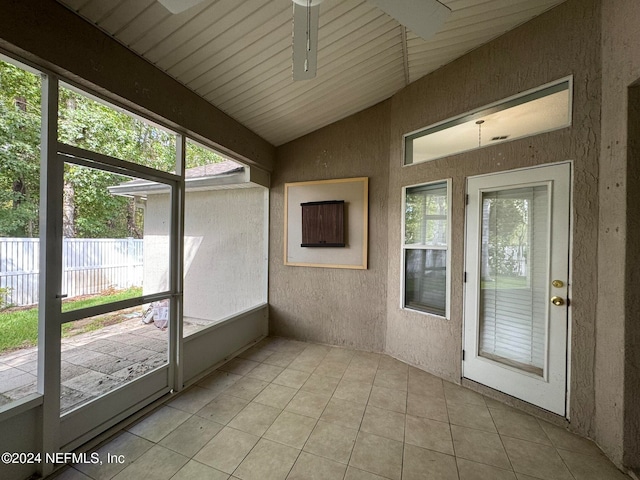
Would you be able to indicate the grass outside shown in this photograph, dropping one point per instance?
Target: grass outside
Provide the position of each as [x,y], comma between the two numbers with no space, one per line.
[505,282]
[19,326]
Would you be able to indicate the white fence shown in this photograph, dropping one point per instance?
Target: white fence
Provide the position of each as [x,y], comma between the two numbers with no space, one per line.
[89,265]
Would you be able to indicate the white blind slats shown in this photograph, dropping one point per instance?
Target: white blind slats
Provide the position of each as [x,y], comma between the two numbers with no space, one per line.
[514,272]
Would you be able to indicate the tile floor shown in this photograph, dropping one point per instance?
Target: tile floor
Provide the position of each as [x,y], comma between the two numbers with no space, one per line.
[291,410]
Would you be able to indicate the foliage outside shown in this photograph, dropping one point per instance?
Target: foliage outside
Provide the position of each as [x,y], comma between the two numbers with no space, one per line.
[506,239]
[90,211]
[426,215]
[19,326]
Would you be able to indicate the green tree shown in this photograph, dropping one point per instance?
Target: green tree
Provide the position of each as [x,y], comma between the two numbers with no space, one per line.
[19,151]
[90,211]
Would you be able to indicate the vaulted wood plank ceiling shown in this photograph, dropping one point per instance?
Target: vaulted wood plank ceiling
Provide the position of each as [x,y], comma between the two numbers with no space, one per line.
[237,54]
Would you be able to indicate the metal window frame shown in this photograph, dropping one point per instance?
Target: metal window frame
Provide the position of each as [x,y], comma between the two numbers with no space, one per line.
[446,248]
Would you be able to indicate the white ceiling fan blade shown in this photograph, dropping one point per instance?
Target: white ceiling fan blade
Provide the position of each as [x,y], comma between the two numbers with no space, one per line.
[178,6]
[305,40]
[422,17]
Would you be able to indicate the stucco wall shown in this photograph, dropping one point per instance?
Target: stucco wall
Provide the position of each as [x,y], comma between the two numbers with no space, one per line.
[225,251]
[336,306]
[312,304]
[618,413]
[562,42]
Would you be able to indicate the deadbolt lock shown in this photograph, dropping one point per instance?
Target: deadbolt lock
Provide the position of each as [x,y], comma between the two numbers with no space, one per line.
[557,301]
[558,283]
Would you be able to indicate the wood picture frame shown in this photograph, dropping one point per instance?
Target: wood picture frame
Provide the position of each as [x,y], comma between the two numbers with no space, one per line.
[354,193]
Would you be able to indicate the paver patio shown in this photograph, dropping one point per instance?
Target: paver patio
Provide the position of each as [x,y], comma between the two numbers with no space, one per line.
[92,363]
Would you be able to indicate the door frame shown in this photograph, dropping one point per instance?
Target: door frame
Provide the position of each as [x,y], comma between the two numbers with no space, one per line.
[569,286]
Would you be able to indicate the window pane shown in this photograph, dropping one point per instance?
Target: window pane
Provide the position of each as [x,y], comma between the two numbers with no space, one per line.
[529,114]
[109,130]
[426,280]
[106,351]
[426,215]
[224,240]
[514,271]
[20,99]
[110,249]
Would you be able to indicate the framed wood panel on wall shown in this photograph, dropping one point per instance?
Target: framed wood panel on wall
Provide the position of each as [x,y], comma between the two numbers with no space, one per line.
[335,223]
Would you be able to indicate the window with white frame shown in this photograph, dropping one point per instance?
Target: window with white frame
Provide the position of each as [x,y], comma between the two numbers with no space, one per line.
[426,248]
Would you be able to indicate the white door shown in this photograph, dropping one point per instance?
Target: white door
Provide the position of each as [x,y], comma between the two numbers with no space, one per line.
[517,267]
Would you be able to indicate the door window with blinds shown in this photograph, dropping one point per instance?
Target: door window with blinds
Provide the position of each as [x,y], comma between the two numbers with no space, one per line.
[426,248]
[514,275]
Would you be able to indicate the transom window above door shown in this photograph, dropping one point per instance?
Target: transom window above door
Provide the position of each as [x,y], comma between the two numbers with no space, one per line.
[535,111]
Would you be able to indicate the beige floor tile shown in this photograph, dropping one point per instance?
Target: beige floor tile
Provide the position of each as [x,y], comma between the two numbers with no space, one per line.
[419,406]
[378,455]
[344,413]
[355,392]
[196,471]
[239,366]
[429,434]
[365,360]
[479,446]
[191,436]
[457,394]
[267,461]
[391,379]
[255,418]
[385,423]
[360,373]
[534,459]
[424,464]
[357,474]
[193,399]
[219,381]
[222,408]
[126,444]
[590,467]
[425,385]
[307,361]
[315,349]
[477,471]
[280,359]
[257,354]
[320,384]
[340,355]
[69,473]
[247,388]
[309,404]
[331,441]
[291,429]
[519,425]
[291,378]
[391,364]
[265,372]
[312,467]
[227,449]
[158,463]
[388,399]
[472,416]
[159,423]
[291,346]
[561,438]
[331,368]
[275,396]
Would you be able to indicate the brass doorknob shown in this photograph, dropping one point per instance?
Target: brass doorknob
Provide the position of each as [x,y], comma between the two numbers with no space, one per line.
[557,301]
